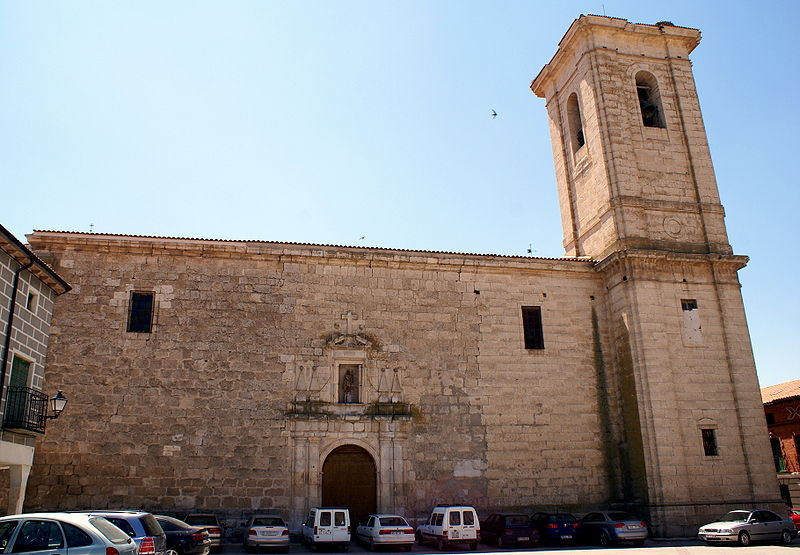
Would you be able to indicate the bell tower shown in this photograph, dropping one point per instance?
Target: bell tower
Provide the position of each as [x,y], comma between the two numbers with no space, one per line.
[639,197]
[632,160]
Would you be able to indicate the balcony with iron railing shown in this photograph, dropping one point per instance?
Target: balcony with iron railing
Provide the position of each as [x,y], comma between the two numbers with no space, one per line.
[25,410]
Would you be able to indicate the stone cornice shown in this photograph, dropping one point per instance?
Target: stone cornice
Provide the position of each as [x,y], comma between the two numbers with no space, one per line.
[601,31]
[629,260]
[56,242]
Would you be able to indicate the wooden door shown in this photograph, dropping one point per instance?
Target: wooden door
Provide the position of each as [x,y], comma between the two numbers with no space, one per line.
[349,480]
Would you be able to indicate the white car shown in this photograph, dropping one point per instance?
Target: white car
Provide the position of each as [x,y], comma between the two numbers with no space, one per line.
[267,531]
[327,527]
[386,530]
[53,533]
[451,524]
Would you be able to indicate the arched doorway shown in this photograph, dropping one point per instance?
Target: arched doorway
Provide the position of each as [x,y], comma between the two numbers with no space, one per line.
[349,480]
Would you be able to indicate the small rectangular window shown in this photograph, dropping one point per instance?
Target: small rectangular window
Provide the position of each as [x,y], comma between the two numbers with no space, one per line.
[770,418]
[338,518]
[468,518]
[140,316]
[455,518]
[689,304]
[532,327]
[710,442]
[30,304]
[325,518]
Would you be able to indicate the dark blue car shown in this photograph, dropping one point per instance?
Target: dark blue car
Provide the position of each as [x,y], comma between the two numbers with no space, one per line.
[556,527]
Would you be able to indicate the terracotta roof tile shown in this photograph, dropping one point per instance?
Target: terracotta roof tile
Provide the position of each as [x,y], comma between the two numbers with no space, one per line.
[780,391]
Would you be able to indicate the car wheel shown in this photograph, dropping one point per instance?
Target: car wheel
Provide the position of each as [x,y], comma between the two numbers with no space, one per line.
[440,544]
[171,552]
[786,537]
[499,542]
[744,538]
[418,537]
[371,544]
[604,540]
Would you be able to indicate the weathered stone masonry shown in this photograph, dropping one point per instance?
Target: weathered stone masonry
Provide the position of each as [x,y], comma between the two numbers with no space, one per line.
[644,395]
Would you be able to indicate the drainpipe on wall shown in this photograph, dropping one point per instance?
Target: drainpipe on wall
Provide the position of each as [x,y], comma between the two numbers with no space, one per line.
[10,325]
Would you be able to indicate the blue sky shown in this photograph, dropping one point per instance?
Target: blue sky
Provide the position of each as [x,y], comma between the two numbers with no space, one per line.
[325,122]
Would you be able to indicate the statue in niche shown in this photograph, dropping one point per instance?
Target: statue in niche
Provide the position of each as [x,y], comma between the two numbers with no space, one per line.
[348,383]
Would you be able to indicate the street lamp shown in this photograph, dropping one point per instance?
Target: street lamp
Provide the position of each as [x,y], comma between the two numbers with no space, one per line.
[57,404]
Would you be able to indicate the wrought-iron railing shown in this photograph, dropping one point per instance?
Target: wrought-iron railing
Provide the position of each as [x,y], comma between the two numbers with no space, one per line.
[26,410]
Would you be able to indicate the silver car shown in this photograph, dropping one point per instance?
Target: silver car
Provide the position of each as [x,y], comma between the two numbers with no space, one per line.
[58,533]
[747,526]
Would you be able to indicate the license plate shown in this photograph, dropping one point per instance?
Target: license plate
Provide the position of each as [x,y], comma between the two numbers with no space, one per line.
[454,534]
[523,539]
[397,532]
[566,537]
[270,533]
[634,527]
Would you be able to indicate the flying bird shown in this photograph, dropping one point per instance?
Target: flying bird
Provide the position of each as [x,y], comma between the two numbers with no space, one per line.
[494,114]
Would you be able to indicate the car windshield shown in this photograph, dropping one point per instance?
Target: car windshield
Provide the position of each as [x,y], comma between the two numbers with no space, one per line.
[517,520]
[621,516]
[267,521]
[151,526]
[393,521]
[113,533]
[735,516]
[561,517]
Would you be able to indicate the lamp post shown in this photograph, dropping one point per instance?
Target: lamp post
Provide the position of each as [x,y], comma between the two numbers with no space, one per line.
[57,403]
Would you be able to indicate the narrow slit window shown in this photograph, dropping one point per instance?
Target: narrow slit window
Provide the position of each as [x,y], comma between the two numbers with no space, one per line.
[140,316]
[577,138]
[30,303]
[649,100]
[532,327]
[710,442]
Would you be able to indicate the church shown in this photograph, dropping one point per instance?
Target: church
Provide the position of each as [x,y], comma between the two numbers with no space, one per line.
[241,376]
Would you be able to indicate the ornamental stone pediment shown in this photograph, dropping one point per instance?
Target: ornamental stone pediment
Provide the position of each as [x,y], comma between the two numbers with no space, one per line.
[349,341]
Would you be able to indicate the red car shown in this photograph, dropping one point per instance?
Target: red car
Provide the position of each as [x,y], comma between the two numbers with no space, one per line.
[795,517]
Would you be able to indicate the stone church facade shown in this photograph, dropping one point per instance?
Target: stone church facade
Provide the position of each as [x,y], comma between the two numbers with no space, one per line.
[235,376]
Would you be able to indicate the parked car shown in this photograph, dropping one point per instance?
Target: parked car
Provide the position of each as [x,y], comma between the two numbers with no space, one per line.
[70,532]
[451,524]
[795,516]
[556,527]
[266,531]
[183,539]
[746,526]
[139,525]
[503,529]
[383,529]
[208,520]
[327,526]
[607,527]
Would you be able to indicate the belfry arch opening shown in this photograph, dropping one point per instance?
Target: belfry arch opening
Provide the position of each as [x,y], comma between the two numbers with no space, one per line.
[577,138]
[649,100]
[349,479]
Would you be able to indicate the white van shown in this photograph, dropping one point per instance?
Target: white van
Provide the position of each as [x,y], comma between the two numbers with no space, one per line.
[449,524]
[328,526]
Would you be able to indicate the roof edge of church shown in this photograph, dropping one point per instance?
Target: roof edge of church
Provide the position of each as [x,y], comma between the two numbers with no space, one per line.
[41,233]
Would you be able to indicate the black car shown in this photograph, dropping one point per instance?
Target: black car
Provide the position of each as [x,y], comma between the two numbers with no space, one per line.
[183,539]
[509,529]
